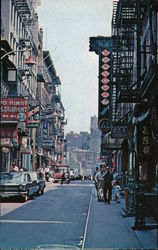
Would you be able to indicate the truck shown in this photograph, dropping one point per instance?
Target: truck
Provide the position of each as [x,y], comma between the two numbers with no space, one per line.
[58,173]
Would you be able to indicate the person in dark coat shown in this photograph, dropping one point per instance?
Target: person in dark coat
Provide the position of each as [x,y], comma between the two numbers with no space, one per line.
[108,177]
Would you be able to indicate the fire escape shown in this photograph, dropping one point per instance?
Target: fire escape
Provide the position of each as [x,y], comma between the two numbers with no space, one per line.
[124,91]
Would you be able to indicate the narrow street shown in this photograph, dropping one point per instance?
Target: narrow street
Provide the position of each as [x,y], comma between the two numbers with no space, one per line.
[67,216]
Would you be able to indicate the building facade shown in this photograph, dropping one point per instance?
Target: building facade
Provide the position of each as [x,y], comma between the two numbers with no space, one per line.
[29,88]
[129,143]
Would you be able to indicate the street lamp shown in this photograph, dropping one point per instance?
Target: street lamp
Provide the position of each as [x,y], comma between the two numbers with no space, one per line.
[14,51]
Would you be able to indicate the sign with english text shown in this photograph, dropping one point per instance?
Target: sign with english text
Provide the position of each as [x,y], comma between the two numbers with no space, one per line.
[14,109]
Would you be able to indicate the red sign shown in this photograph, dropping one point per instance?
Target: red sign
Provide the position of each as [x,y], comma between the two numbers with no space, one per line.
[105,87]
[105,66]
[14,109]
[105,80]
[105,94]
[105,73]
[105,59]
[105,52]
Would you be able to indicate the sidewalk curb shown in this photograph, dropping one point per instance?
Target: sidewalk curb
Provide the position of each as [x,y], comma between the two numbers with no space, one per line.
[147,237]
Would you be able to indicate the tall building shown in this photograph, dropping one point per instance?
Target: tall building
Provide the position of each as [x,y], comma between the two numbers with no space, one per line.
[83,149]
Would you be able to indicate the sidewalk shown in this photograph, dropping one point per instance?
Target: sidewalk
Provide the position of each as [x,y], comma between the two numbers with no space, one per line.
[108,229]
[148,238]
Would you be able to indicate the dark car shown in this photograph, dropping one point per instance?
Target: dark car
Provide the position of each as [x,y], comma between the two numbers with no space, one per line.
[17,184]
[41,183]
[37,178]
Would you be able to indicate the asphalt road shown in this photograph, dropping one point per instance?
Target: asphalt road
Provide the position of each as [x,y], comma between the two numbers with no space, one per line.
[55,219]
[66,217]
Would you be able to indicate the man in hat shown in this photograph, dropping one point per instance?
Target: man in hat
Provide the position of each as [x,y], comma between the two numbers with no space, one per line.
[108,177]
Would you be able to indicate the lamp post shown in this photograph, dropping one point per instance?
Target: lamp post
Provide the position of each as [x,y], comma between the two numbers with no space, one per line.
[14,51]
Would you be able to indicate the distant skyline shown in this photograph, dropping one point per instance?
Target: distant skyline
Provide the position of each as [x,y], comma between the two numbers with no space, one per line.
[67,26]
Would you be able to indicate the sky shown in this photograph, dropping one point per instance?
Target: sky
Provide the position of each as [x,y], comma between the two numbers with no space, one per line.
[67,26]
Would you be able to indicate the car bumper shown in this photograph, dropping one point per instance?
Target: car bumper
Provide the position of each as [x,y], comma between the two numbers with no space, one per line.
[13,194]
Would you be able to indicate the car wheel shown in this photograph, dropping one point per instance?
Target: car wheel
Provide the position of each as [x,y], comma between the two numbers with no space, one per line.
[25,198]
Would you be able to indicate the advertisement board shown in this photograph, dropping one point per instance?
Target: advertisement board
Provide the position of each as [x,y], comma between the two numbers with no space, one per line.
[14,109]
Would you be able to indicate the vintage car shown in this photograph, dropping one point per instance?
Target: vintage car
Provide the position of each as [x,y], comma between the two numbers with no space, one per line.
[17,184]
[37,177]
[58,172]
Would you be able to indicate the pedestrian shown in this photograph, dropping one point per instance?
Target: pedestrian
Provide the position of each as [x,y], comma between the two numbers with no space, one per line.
[99,181]
[63,177]
[94,175]
[108,177]
[47,173]
[15,168]
[116,191]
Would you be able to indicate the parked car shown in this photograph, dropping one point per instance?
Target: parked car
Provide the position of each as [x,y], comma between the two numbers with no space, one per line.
[38,180]
[17,184]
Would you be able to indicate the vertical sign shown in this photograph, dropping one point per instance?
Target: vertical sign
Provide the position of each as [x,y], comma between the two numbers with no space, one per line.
[102,46]
[45,128]
[104,90]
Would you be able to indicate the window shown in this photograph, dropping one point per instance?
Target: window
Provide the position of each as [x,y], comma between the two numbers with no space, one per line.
[12,12]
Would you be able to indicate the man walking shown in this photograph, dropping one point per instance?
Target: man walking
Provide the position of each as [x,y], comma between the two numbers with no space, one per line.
[108,177]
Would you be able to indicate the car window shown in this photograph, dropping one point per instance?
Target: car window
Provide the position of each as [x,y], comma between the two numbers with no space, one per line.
[25,177]
[10,177]
[28,177]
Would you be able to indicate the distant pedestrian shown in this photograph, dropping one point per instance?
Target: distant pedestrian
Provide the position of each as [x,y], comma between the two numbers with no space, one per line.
[108,177]
[116,191]
[15,168]
[63,177]
[100,183]
[94,175]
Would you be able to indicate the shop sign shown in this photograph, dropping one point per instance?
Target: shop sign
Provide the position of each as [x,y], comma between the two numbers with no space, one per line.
[33,111]
[106,152]
[33,124]
[104,125]
[146,140]
[44,133]
[14,109]
[47,144]
[119,132]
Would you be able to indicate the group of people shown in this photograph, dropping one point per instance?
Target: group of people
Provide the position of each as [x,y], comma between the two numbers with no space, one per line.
[104,181]
[15,168]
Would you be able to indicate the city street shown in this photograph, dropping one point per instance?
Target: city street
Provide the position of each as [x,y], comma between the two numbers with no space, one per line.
[67,216]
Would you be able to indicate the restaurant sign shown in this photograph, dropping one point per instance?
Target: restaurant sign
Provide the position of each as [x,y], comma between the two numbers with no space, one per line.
[14,109]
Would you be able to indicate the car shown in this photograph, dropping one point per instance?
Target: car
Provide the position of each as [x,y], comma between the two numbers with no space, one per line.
[17,184]
[37,177]
[72,175]
[57,175]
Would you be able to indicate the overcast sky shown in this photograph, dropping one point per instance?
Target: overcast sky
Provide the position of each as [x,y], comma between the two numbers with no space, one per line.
[67,26]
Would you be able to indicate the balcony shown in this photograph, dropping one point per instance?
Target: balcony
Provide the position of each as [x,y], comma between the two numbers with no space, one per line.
[128,95]
[4,89]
